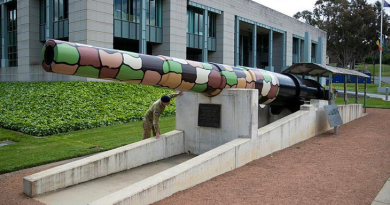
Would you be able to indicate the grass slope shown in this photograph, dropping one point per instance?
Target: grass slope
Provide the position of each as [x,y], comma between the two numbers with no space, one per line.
[32,151]
[370,67]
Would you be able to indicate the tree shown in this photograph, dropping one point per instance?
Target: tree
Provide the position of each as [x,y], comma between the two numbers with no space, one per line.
[351,26]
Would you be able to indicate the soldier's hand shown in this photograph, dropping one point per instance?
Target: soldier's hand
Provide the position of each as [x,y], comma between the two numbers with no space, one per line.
[157,135]
[180,93]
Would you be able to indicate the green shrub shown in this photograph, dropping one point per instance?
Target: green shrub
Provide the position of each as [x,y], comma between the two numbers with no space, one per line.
[47,108]
[386,58]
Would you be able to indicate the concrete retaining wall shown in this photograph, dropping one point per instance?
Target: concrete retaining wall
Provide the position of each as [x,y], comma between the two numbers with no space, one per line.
[105,163]
[194,171]
[350,112]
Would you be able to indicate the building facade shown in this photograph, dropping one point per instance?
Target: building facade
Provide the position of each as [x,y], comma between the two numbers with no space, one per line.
[234,32]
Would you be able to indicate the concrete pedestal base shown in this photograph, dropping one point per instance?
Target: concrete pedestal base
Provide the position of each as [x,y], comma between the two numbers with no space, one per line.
[239,119]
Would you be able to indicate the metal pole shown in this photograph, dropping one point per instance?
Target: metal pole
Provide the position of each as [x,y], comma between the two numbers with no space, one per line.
[365,95]
[330,86]
[356,90]
[254,45]
[387,93]
[142,29]
[205,50]
[237,43]
[270,50]
[335,130]
[380,52]
[345,90]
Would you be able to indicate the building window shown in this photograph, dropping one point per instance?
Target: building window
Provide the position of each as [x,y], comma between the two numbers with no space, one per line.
[59,23]
[60,11]
[12,35]
[195,20]
[130,10]
[313,52]
[212,25]
[295,50]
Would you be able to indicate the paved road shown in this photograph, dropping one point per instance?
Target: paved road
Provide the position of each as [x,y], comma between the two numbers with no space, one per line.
[361,94]
[384,79]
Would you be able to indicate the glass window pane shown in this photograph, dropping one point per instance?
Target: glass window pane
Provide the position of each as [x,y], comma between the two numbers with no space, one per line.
[159,13]
[212,25]
[55,13]
[188,20]
[196,26]
[201,23]
[131,10]
[42,11]
[117,7]
[147,12]
[153,13]
[61,9]
[125,13]
[66,10]
[138,10]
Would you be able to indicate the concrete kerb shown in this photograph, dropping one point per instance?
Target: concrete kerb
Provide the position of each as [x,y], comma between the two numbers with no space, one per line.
[105,163]
[383,198]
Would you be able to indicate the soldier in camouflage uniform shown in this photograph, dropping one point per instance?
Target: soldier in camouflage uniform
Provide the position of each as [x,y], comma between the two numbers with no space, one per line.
[153,114]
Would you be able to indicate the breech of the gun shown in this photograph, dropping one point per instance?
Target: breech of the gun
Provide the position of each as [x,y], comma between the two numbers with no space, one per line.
[208,78]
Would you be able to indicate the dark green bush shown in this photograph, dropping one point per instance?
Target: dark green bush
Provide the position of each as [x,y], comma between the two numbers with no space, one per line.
[386,58]
[47,108]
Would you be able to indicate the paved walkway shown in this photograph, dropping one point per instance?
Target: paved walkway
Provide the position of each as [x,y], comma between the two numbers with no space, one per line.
[384,79]
[383,197]
[361,94]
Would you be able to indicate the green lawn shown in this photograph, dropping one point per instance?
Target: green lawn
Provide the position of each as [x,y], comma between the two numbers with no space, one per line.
[371,102]
[370,67]
[32,151]
[371,88]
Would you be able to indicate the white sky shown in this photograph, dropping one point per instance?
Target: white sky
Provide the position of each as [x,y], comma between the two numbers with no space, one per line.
[291,7]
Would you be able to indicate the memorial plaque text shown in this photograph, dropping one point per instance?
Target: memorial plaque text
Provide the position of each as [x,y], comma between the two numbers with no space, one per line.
[209,115]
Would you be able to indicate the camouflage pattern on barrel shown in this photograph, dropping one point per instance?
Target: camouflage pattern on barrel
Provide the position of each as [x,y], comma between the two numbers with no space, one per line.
[169,72]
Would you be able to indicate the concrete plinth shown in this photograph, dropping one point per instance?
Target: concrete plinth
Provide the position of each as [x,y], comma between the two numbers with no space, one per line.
[239,119]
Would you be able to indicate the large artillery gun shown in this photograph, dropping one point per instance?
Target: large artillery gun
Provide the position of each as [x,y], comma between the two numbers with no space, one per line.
[279,91]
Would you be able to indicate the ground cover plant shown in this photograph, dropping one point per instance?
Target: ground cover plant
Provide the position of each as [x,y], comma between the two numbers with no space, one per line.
[48,108]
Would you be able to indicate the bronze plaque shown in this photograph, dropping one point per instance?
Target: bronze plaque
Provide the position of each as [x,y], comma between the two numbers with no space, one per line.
[209,115]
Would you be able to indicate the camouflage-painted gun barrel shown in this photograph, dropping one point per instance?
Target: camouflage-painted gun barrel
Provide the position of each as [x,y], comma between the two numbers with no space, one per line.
[278,90]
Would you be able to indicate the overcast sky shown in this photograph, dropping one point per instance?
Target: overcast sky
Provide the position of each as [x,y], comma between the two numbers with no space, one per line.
[291,7]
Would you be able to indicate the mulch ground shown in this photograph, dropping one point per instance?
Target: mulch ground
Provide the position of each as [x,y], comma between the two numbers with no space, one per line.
[349,168]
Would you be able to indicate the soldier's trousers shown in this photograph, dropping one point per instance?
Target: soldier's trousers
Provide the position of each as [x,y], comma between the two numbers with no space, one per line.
[147,127]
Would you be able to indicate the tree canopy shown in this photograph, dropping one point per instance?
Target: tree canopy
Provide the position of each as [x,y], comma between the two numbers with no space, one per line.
[352,26]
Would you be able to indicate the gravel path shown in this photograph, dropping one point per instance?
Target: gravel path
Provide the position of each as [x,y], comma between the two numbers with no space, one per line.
[349,168]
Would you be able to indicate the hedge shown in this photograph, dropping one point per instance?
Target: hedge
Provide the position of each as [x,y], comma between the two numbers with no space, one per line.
[47,108]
